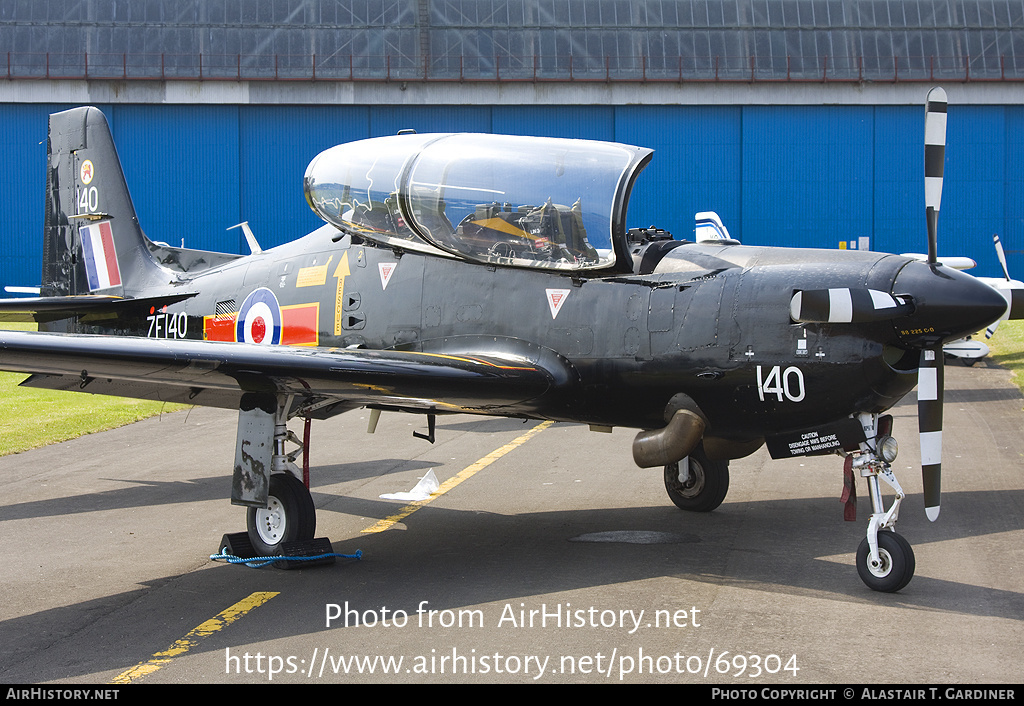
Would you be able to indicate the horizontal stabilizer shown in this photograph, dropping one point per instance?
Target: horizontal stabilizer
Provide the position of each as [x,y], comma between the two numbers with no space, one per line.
[46,309]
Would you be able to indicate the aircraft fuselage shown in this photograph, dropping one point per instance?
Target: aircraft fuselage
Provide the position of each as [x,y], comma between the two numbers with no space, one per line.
[708,320]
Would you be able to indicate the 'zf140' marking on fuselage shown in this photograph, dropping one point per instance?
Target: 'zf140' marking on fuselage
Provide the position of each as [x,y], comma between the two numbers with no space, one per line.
[788,383]
[167,325]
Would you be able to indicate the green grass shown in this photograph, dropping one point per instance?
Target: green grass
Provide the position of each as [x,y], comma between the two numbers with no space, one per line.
[1007,346]
[31,417]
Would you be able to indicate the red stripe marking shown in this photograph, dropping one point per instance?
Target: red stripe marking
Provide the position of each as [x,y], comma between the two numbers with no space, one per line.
[110,254]
[219,328]
[300,325]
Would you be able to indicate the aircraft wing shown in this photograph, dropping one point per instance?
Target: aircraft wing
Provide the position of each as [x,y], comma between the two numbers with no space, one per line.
[217,374]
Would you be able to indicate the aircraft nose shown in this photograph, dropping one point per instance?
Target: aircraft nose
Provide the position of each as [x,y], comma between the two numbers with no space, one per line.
[948,304]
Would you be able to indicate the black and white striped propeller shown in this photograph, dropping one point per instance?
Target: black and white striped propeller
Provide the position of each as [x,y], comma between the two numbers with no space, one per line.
[935,303]
[847,305]
[844,305]
[1001,255]
[930,370]
[1011,289]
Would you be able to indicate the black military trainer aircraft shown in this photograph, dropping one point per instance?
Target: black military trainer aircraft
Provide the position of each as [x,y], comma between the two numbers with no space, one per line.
[493,274]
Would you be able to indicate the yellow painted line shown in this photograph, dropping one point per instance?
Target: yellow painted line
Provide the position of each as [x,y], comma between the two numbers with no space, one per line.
[180,647]
[462,475]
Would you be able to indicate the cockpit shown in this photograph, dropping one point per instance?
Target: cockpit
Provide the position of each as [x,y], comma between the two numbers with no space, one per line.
[498,199]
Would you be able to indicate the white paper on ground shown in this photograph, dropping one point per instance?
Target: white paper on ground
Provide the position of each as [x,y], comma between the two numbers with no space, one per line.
[427,486]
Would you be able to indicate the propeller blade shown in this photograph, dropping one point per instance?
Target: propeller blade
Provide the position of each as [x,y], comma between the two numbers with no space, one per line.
[1012,290]
[930,370]
[844,305]
[934,160]
[930,375]
[1001,255]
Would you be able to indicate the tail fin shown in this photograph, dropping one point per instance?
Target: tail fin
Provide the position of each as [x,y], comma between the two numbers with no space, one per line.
[92,240]
[710,229]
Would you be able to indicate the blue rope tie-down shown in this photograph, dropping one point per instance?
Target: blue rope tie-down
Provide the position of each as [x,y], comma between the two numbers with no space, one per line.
[257,562]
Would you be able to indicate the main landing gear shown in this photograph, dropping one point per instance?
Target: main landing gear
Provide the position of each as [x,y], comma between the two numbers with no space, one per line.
[697,483]
[266,479]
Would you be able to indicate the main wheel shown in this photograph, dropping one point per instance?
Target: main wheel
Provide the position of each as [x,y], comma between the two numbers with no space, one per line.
[897,563]
[705,489]
[290,516]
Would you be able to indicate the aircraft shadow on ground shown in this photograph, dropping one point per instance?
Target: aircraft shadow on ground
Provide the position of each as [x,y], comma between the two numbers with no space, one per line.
[150,493]
[460,558]
[982,395]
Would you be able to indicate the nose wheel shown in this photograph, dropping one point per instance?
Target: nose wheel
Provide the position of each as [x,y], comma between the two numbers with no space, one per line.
[894,567]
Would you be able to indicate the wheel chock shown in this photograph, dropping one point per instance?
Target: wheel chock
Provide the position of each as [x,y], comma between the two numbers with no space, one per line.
[306,553]
[237,548]
[237,544]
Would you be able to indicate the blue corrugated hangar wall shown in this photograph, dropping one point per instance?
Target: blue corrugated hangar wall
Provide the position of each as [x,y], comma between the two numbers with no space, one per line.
[808,176]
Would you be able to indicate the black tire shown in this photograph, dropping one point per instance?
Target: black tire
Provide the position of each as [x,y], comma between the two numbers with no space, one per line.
[290,517]
[969,362]
[707,487]
[897,567]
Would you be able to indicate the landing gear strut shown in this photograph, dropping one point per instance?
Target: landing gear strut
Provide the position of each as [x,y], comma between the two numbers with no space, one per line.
[266,479]
[885,560]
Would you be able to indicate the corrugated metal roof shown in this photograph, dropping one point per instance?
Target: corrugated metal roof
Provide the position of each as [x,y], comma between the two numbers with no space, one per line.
[615,40]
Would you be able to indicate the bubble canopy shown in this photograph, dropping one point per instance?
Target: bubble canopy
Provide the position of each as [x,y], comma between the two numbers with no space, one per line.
[499,199]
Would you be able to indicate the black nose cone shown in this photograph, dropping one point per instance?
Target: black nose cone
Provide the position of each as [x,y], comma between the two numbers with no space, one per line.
[948,304]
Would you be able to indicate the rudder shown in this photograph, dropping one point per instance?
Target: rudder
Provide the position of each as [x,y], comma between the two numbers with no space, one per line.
[93,243]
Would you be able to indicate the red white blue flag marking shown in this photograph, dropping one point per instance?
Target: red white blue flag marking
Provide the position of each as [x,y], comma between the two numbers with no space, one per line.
[100,256]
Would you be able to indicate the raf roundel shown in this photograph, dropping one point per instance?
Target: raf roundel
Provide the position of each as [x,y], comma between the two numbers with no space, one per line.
[259,319]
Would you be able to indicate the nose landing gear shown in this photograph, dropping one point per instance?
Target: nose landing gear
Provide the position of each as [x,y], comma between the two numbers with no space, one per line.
[885,560]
